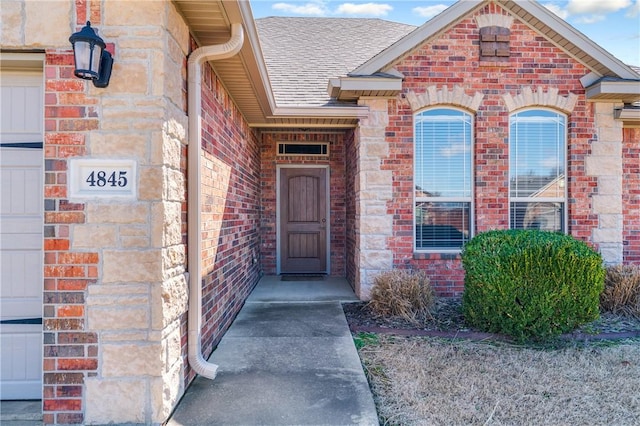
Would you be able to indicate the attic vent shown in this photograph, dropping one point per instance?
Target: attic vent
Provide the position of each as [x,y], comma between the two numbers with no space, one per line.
[494,43]
[287,148]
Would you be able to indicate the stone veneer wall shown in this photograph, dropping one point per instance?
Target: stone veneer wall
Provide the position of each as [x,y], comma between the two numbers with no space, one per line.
[374,190]
[337,209]
[351,171]
[605,163]
[115,290]
[452,59]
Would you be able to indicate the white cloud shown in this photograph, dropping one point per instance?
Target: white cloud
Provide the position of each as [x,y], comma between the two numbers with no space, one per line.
[308,9]
[557,10]
[455,149]
[634,10]
[590,19]
[368,9]
[596,7]
[429,11]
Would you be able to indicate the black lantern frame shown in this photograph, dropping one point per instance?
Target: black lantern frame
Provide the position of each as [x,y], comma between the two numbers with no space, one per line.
[92,61]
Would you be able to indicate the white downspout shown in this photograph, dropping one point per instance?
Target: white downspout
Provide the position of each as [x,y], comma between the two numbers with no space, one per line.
[196,59]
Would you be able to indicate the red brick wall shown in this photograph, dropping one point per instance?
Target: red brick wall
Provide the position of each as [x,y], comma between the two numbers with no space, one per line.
[70,353]
[336,162]
[230,214]
[631,195]
[453,59]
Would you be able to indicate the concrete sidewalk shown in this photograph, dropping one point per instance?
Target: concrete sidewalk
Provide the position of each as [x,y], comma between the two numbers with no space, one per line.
[288,359]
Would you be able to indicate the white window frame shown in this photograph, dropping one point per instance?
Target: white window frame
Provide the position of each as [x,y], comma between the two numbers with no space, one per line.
[564,199]
[470,199]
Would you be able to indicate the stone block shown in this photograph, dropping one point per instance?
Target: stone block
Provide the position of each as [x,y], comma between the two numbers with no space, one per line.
[610,185]
[134,13]
[169,301]
[120,213]
[380,260]
[373,242]
[175,185]
[610,134]
[607,204]
[115,401]
[377,225]
[166,222]
[603,166]
[607,235]
[128,78]
[92,236]
[174,257]
[118,318]
[376,149]
[12,30]
[130,360]
[613,149]
[610,221]
[165,393]
[47,23]
[151,183]
[374,180]
[131,266]
[123,145]
[612,253]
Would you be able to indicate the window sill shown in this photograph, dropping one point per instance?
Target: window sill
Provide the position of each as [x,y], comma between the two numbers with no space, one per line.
[437,255]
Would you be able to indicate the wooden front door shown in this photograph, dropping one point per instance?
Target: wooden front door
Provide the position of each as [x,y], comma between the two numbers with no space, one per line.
[303,220]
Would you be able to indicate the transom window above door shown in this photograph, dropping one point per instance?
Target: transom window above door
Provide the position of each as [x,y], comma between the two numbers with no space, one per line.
[443,177]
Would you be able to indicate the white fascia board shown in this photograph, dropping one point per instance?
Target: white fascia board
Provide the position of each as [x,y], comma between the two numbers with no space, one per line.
[322,112]
[251,33]
[416,37]
[626,89]
[578,39]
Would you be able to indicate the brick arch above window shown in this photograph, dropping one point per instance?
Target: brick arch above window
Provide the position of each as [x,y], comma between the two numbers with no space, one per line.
[443,96]
[550,98]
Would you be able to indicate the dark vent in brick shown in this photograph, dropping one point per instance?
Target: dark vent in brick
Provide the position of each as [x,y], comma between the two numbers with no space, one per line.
[494,43]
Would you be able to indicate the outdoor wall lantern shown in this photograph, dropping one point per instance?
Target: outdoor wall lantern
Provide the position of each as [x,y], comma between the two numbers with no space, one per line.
[93,62]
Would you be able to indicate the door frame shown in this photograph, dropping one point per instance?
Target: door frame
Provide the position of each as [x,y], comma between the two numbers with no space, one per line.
[279,167]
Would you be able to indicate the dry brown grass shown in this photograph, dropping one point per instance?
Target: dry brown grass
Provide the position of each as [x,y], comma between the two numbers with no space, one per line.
[621,293]
[426,381]
[402,293]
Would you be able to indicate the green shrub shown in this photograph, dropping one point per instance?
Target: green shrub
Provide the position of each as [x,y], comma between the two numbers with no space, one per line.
[530,284]
[621,293]
[402,293]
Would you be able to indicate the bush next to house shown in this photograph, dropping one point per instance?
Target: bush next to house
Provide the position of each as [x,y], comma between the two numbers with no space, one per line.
[530,284]
[621,293]
[402,293]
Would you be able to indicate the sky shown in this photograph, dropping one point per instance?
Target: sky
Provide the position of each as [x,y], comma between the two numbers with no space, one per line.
[613,24]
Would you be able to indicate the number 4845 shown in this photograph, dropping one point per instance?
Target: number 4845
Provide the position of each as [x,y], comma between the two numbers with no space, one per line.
[101,178]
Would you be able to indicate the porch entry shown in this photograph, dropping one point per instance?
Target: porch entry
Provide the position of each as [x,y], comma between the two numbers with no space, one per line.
[21,224]
[303,220]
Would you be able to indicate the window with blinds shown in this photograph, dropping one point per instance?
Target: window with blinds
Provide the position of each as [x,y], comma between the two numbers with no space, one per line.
[443,169]
[537,170]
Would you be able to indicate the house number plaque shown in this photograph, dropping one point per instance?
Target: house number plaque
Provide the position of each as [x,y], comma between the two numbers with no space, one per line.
[96,178]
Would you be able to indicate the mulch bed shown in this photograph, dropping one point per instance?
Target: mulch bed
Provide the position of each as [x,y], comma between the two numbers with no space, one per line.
[447,321]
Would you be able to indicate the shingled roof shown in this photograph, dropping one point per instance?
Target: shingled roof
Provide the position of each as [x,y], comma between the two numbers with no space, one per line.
[301,54]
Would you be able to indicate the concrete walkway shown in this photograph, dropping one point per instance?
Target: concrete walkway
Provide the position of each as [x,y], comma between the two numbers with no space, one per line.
[288,359]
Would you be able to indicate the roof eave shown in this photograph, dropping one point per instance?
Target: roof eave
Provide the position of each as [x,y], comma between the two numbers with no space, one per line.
[630,117]
[626,91]
[353,88]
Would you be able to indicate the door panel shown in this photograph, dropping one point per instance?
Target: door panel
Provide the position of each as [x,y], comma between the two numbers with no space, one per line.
[303,220]
[21,239]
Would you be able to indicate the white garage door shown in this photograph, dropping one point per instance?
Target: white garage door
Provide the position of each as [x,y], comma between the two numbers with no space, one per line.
[21,239]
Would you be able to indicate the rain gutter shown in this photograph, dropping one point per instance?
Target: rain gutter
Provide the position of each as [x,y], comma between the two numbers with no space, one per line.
[194,206]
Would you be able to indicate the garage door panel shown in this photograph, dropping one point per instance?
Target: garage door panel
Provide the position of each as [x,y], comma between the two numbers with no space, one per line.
[21,238]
